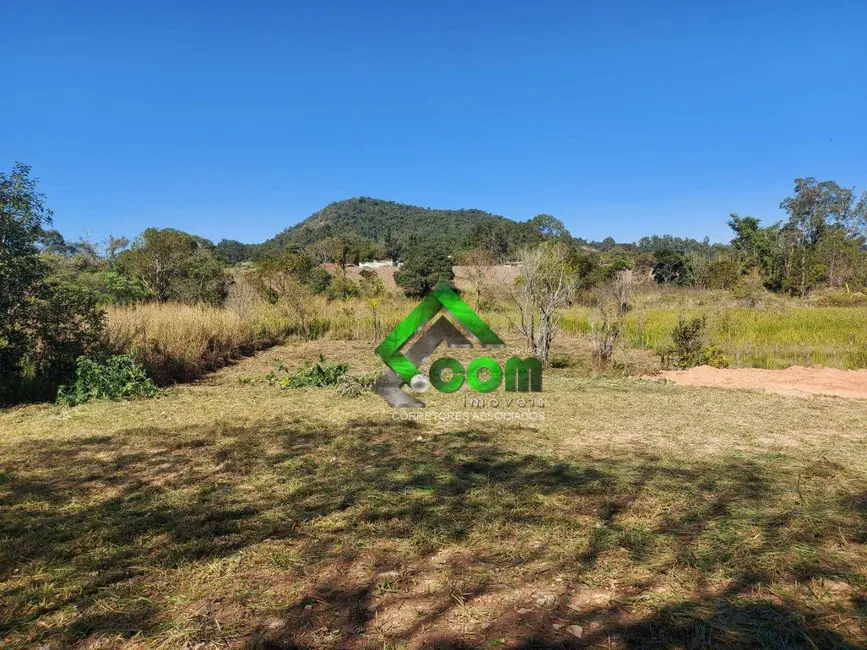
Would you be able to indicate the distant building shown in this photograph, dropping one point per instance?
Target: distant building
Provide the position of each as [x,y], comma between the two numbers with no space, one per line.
[376,264]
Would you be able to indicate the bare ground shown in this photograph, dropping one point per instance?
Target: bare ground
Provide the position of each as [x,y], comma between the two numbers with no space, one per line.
[796,381]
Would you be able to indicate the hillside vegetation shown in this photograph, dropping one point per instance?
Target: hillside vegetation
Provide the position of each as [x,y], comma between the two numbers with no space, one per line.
[383,221]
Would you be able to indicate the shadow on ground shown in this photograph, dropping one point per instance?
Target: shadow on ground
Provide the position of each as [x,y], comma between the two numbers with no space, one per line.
[392,535]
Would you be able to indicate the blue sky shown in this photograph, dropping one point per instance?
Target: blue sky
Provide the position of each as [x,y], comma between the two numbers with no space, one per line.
[238,119]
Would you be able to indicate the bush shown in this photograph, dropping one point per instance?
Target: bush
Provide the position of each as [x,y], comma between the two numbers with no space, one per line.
[713,356]
[687,343]
[113,288]
[341,288]
[689,348]
[841,299]
[750,288]
[688,338]
[116,378]
[312,375]
[722,274]
[370,284]
[322,374]
[67,324]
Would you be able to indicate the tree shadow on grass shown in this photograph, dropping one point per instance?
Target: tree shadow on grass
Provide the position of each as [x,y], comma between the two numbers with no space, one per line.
[93,520]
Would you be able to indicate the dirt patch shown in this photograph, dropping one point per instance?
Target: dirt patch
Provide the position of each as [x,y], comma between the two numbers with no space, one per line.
[796,380]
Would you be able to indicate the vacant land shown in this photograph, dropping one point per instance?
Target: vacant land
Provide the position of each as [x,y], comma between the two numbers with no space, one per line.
[234,514]
[178,343]
[796,380]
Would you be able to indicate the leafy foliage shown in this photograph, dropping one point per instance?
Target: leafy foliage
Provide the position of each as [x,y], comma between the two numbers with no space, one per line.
[689,339]
[230,251]
[669,267]
[323,374]
[370,284]
[311,375]
[118,377]
[341,288]
[690,347]
[175,265]
[425,267]
[46,323]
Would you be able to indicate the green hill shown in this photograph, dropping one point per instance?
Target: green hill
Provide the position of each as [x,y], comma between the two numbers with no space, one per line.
[385,222]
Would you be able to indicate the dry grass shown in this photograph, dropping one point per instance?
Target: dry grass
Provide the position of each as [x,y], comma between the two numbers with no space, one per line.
[229,514]
[180,342]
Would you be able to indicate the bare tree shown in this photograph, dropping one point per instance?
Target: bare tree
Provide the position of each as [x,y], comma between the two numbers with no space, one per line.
[113,245]
[478,266]
[544,285]
[612,304]
[242,297]
[320,250]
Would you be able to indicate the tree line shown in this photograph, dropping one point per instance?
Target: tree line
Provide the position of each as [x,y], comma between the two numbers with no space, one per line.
[52,291]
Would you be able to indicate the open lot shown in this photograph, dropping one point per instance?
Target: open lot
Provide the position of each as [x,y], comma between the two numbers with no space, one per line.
[234,514]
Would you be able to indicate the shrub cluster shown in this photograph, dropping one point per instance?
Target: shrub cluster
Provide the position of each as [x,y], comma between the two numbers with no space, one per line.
[311,375]
[118,377]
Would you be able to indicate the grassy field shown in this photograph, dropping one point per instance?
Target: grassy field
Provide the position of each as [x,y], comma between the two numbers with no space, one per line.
[179,342]
[233,514]
[755,338]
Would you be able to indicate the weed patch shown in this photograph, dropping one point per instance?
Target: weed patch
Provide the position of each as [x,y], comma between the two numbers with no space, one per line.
[118,377]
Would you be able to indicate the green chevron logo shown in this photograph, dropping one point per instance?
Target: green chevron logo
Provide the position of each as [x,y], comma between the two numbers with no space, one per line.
[404,369]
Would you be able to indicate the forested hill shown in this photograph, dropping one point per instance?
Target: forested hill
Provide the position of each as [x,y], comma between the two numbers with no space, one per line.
[386,222]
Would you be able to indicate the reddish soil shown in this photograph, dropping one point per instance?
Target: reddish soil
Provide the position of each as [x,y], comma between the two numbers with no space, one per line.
[796,380]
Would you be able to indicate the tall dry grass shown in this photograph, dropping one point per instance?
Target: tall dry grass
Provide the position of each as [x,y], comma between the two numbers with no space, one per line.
[181,342]
[177,342]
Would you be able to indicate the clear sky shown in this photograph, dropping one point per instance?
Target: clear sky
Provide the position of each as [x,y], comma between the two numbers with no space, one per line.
[238,119]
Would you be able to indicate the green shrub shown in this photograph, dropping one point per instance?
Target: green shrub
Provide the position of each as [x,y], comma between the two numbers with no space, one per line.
[370,284]
[688,338]
[341,288]
[311,375]
[689,348]
[712,355]
[722,274]
[118,377]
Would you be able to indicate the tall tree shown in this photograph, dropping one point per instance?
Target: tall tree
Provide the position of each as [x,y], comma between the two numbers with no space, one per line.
[44,325]
[425,267]
[174,265]
[548,226]
[813,209]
